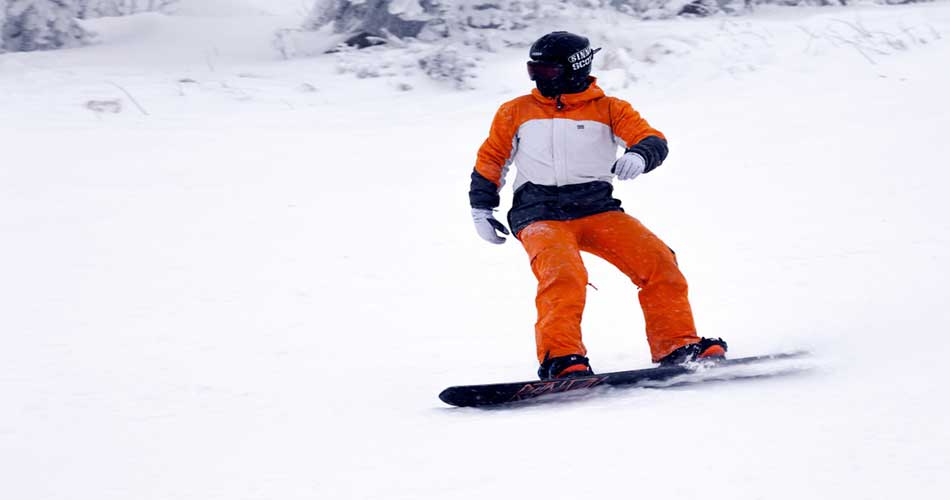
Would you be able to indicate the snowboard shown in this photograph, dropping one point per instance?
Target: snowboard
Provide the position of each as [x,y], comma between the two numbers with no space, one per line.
[700,371]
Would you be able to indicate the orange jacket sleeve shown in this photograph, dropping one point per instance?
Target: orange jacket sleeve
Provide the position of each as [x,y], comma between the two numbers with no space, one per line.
[496,152]
[628,125]
[638,136]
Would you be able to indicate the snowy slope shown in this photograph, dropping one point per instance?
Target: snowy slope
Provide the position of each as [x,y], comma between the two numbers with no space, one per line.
[257,289]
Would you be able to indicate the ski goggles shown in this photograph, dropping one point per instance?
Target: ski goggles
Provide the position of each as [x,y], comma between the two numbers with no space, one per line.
[541,70]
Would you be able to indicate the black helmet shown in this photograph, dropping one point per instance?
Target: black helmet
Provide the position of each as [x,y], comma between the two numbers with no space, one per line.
[560,63]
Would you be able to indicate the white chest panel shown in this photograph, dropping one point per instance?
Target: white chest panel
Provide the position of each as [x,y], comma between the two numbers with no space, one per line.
[560,152]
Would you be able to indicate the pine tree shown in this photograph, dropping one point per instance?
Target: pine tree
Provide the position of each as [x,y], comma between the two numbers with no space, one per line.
[104,8]
[3,22]
[367,19]
[98,8]
[40,25]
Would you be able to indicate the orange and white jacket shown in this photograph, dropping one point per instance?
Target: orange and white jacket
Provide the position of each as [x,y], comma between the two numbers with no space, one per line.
[564,150]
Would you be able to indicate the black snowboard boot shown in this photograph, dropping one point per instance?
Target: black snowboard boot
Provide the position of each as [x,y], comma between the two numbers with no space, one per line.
[710,349]
[570,366]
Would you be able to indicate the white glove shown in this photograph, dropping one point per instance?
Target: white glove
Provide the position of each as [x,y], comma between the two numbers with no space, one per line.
[629,166]
[486,224]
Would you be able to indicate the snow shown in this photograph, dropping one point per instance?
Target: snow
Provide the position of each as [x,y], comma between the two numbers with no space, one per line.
[257,289]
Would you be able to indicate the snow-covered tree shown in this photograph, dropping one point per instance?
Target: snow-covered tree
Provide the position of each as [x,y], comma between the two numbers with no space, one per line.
[3,22]
[39,25]
[104,8]
[370,20]
[448,40]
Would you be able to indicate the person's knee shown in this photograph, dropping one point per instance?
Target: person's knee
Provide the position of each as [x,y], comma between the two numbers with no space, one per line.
[670,277]
[666,271]
[574,279]
[556,267]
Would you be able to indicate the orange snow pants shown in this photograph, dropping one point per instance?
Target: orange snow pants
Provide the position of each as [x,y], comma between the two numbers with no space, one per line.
[554,249]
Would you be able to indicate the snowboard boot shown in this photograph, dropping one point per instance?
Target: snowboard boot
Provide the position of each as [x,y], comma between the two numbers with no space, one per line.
[705,349]
[570,366]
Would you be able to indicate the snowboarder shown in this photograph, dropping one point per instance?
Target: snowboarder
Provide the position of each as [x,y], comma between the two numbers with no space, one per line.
[563,137]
